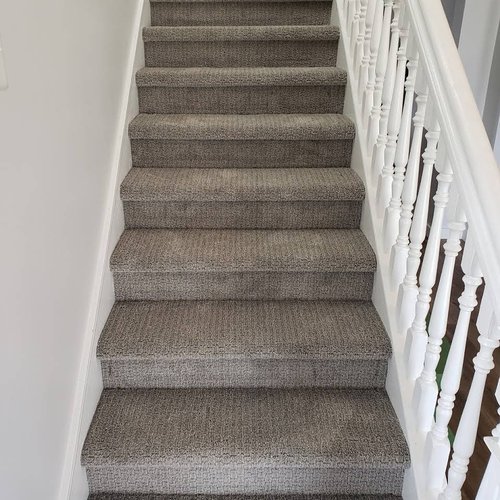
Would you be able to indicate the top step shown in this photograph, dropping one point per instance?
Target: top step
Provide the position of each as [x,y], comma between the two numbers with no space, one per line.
[239,12]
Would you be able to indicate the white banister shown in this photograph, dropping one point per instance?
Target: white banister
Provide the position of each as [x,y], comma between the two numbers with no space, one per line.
[408,94]
[387,93]
[438,446]
[380,69]
[426,389]
[376,33]
[399,253]
[417,334]
[365,58]
[465,438]
[393,211]
[393,121]
[408,290]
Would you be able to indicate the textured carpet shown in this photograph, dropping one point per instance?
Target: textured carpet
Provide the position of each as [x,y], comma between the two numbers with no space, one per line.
[208,439]
[241,90]
[206,251]
[240,13]
[242,198]
[244,344]
[270,184]
[243,359]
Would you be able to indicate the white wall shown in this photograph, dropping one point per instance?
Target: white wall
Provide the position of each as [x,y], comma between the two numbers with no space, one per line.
[475,27]
[66,61]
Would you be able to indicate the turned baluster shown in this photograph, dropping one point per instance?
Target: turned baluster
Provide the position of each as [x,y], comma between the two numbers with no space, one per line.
[380,68]
[387,95]
[490,488]
[426,389]
[355,27]
[408,289]
[376,33]
[358,46]
[393,125]
[416,340]
[399,253]
[437,447]
[393,211]
[365,58]
[465,438]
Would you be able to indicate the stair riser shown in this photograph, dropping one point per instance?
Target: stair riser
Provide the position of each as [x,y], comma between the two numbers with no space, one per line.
[241,100]
[223,480]
[240,153]
[243,215]
[244,286]
[239,13]
[269,53]
[244,373]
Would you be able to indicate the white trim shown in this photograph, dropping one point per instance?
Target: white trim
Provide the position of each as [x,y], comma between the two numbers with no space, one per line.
[73,483]
[4,83]
[383,297]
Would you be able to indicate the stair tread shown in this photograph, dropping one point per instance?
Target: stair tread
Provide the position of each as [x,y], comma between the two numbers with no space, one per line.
[244,329]
[232,77]
[236,250]
[242,127]
[320,428]
[242,184]
[239,33]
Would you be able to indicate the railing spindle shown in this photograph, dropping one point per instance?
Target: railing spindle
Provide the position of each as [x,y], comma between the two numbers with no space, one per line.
[438,444]
[359,43]
[393,124]
[416,340]
[426,389]
[465,438]
[380,68]
[399,254]
[355,25]
[408,289]
[393,211]
[387,95]
[365,58]
[376,33]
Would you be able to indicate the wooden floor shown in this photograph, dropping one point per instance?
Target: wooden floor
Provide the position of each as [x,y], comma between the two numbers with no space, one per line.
[489,416]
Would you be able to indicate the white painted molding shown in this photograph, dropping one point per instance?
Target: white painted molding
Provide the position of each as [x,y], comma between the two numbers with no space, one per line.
[73,484]
[4,83]
[467,143]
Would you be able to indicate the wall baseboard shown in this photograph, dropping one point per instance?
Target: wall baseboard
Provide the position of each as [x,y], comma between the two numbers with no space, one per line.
[73,483]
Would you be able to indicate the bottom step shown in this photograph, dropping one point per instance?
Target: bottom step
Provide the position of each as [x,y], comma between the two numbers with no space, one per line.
[245,441]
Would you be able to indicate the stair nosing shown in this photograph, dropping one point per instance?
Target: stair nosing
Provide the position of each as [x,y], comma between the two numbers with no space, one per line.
[242,251]
[248,185]
[240,33]
[287,127]
[241,77]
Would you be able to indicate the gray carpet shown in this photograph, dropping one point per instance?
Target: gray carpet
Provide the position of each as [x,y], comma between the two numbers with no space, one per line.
[238,12]
[243,359]
[241,90]
[268,198]
[244,344]
[307,439]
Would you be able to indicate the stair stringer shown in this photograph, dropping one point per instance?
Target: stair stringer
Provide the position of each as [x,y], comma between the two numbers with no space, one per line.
[384,296]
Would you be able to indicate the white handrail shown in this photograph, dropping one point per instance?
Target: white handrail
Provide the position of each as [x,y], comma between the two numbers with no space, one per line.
[469,148]
[449,143]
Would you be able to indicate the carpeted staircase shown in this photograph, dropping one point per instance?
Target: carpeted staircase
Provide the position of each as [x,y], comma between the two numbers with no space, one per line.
[243,355]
